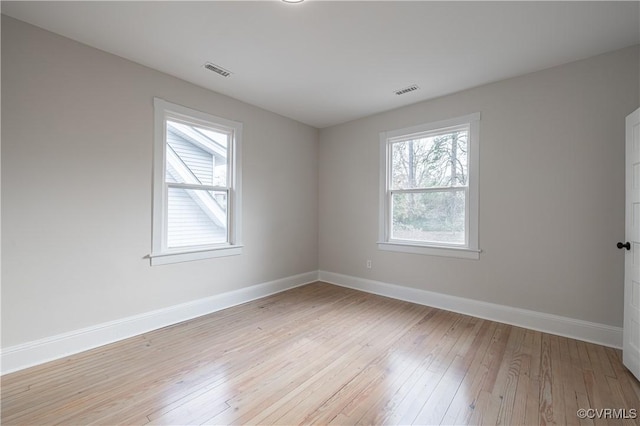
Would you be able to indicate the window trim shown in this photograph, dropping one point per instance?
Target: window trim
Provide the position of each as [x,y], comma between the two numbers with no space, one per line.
[469,251]
[160,253]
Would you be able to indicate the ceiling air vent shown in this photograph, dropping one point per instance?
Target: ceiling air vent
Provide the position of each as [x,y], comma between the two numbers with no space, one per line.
[406,90]
[217,69]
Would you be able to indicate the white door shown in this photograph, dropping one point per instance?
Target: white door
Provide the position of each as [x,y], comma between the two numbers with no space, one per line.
[631,335]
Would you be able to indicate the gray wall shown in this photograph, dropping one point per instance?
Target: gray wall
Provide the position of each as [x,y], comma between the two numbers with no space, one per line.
[551,192]
[77,136]
[76,191]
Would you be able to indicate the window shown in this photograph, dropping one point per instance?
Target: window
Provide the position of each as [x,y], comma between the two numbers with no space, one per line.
[429,188]
[196,185]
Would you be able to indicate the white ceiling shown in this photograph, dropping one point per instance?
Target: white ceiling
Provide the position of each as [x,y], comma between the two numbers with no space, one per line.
[328,62]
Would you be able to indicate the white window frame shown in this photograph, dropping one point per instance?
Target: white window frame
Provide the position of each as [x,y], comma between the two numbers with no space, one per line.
[469,250]
[161,254]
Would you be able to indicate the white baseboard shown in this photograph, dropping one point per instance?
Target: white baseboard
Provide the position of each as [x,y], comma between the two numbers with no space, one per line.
[37,352]
[562,326]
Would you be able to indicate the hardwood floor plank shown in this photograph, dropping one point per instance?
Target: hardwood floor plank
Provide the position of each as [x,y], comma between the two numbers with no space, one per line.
[594,394]
[532,410]
[426,378]
[499,407]
[466,392]
[558,379]
[480,413]
[630,397]
[615,387]
[520,397]
[300,349]
[322,390]
[570,393]
[380,396]
[356,407]
[604,394]
[423,349]
[513,366]
[436,406]
[362,393]
[321,354]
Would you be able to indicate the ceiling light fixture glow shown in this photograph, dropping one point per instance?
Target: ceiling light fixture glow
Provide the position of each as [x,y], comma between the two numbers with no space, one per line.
[293,1]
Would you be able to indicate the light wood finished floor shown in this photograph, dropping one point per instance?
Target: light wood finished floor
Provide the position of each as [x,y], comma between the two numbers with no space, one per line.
[328,355]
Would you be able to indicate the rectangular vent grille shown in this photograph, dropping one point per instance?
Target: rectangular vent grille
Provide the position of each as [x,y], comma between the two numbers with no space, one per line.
[406,90]
[217,69]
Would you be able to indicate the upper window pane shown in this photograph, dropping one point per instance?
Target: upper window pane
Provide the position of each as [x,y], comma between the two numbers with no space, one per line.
[196,155]
[431,161]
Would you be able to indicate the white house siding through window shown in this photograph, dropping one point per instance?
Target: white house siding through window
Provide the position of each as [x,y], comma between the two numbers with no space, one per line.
[196,156]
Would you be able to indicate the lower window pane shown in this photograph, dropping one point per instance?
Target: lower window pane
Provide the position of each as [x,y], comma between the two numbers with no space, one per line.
[434,217]
[196,217]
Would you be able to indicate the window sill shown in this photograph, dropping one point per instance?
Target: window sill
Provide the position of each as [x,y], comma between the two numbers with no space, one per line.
[188,256]
[457,252]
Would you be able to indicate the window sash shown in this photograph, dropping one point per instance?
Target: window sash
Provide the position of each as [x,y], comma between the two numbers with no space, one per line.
[389,216]
[388,231]
[406,137]
[161,253]
[429,189]
[189,121]
[417,138]
[192,121]
[207,188]
[197,186]
[470,250]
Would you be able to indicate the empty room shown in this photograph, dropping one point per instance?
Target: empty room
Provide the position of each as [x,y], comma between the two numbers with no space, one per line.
[320,212]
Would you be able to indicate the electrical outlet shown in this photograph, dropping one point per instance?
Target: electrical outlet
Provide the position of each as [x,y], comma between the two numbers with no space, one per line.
[368,263]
